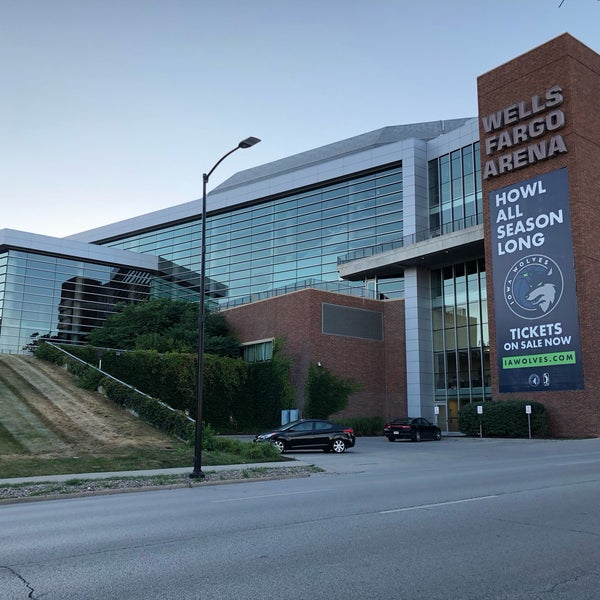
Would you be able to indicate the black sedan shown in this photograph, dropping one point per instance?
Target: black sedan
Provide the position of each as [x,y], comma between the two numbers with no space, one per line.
[407,428]
[310,434]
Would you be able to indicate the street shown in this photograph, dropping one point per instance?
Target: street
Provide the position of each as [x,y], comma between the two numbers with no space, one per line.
[456,519]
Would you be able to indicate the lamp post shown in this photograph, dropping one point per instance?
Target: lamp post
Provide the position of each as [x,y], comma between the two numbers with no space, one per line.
[197,472]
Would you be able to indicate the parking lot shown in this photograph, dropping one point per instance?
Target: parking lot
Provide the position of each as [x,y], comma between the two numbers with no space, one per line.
[376,453]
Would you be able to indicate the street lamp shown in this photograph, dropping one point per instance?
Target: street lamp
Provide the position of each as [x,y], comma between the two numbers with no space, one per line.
[197,472]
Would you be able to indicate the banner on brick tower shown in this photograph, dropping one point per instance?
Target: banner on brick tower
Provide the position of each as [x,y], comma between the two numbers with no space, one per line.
[535,300]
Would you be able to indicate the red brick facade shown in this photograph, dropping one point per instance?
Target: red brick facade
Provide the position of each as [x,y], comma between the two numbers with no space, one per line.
[378,366]
[567,63]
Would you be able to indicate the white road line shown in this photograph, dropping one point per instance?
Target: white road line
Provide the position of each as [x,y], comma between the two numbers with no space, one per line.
[267,496]
[395,510]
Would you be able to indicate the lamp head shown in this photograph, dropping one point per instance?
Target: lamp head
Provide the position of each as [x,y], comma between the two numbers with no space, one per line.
[248,142]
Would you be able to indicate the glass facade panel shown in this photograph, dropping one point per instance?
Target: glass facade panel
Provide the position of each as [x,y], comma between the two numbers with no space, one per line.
[460,338]
[59,298]
[281,242]
[455,197]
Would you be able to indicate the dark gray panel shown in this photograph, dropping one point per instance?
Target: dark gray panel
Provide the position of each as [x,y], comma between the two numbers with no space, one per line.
[352,322]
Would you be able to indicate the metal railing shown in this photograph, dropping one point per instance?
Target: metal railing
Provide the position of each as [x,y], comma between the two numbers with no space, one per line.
[420,236]
[339,287]
[105,374]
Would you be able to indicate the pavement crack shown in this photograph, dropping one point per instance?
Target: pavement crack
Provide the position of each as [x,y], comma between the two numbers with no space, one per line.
[561,585]
[23,580]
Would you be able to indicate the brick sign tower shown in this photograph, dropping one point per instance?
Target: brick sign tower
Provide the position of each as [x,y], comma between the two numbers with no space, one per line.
[539,122]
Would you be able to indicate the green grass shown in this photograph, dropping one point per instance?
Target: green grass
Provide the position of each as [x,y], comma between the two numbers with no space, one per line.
[8,443]
[26,452]
[131,459]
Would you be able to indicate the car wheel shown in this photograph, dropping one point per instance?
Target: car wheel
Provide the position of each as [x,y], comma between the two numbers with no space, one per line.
[280,445]
[438,436]
[391,439]
[416,437]
[338,446]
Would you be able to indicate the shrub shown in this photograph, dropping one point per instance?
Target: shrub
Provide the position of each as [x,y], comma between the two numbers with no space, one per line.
[237,396]
[159,415]
[152,411]
[326,394]
[49,354]
[243,451]
[364,425]
[267,391]
[89,379]
[505,418]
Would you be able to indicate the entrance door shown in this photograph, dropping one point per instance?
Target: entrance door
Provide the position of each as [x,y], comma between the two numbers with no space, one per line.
[442,417]
[452,414]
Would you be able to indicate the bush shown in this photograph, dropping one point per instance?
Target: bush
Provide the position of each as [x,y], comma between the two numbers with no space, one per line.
[505,418]
[364,425]
[172,422]
[267,391]
[49,354]
[157,414]
[237,396]
[326,394]
[248,450]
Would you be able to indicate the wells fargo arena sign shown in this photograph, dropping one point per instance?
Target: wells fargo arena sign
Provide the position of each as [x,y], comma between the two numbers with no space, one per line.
[524,133]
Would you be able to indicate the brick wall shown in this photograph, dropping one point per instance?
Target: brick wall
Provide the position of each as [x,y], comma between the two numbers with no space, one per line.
[378,366]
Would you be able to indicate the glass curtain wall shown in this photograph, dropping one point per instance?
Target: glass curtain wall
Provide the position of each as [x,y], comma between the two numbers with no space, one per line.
[455,197]
[287,243]
[460,324]
[460,338]
[60,298]
[179,247]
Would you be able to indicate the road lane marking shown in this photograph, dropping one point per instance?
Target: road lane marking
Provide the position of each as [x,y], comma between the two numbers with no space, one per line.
[406,508]
[268,496]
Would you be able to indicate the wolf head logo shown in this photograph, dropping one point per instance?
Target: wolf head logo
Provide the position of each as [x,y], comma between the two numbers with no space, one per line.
[543,296]
[533,286]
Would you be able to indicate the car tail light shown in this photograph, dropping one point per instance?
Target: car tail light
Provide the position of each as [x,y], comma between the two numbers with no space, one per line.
[349,430]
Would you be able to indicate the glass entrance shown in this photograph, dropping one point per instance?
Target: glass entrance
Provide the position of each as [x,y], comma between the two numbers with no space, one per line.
[460,339]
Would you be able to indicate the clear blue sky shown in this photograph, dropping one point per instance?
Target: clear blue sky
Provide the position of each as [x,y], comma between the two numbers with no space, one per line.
[113,108]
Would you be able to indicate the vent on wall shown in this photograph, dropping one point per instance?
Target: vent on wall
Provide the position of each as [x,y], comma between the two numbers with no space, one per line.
[352,322]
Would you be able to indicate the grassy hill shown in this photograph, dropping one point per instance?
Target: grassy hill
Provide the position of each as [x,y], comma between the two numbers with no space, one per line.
[50,425]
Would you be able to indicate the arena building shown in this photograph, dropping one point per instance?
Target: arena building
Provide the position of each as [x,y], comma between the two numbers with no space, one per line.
[436,263]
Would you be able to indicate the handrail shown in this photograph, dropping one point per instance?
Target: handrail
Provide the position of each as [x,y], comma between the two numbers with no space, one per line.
[83,362]
[413,238]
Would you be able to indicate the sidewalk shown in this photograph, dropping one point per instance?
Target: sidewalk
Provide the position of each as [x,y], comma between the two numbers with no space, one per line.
[152,472]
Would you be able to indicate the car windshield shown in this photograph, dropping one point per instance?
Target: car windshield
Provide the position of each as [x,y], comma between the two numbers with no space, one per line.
[403,421]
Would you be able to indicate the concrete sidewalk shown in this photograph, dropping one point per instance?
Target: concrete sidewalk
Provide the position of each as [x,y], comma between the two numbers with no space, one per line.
[152,472]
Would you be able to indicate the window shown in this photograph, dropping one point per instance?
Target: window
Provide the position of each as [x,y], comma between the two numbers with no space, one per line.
[258,351]
[461,340]
[265,239]
[454,184]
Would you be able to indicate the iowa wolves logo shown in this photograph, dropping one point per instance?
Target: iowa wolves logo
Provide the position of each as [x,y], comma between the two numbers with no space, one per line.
[533,286]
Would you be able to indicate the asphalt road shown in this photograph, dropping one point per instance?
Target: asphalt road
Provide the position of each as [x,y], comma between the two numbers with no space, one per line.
[456,519]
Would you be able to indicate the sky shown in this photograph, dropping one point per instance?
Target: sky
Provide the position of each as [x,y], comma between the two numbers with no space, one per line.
[110,109]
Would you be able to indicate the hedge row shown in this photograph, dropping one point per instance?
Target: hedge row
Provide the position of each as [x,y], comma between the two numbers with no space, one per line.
[170,421]
[237,396]
[364,426]
[506,418]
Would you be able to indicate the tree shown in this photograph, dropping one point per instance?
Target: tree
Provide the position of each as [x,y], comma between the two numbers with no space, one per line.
[326,394]
[165,326]
[217,337]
